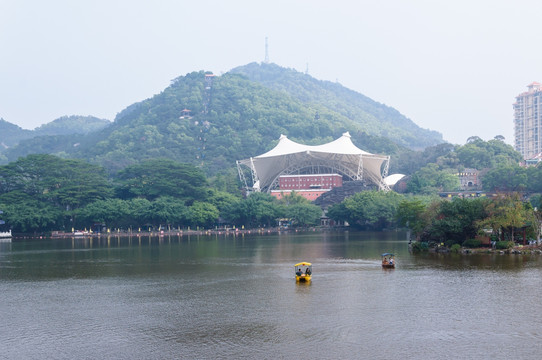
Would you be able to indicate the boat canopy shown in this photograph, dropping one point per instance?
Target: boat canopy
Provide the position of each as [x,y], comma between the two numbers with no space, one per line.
[303,264]
[388,254]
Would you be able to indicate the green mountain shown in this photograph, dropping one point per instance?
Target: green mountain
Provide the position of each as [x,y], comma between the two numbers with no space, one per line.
[11,134]
[211,121]
[56,137]
[230,117]
[370,116]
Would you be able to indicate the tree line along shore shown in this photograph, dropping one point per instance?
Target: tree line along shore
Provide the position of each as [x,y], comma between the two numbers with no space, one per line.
[42,193]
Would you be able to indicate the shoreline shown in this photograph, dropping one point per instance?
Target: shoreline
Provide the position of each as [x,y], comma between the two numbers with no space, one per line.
[162,233]
[516,250]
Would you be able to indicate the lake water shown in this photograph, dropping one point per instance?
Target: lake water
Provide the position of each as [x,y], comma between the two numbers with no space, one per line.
[235,297]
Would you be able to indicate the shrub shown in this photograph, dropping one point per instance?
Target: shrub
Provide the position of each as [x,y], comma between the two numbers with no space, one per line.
[504,245]
[455,248]
[472,243]
[418,246]
[450,243]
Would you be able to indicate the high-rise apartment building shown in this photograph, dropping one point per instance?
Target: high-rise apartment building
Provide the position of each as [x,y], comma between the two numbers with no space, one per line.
[528,121]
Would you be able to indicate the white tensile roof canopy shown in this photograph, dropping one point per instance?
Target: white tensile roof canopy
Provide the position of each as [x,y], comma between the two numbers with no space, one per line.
[340,156]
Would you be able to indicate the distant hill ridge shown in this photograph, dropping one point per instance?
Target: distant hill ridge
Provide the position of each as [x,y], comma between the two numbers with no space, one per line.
[233,116]
[67,125]
[11,134]
[55,137]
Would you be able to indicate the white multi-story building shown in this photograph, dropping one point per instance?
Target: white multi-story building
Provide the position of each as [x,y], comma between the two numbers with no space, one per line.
[528,121]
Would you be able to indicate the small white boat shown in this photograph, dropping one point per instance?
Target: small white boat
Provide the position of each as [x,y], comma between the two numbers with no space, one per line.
[5,234]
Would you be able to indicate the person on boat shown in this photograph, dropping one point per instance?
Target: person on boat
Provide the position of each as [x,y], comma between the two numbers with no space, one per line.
[391,261]
[308,271]
[298,272]
[385,261]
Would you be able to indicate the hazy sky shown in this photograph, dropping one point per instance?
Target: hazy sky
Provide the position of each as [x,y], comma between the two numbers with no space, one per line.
[451,66]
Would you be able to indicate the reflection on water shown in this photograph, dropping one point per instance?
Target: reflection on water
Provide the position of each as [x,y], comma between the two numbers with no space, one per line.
[236,297]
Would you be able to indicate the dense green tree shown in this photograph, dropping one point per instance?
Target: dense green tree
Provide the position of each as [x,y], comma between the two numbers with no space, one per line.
[168,211]
[227,180]
[304,214]
[300,210]
[481,154]
[430,179]
[536,201]
[411,214]
[221,199]
[134,213]
[113,213]
[338,212]
[457,220]
[473,139]
[534,179]
[369,209]
[293,198]
[64,185]
[25,213]
[202,214]
[505,178]
[161,177]
[256,210]
[68,183]
[508,213]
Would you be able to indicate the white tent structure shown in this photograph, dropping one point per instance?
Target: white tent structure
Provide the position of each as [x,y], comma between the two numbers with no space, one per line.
[393,179]
[340,156]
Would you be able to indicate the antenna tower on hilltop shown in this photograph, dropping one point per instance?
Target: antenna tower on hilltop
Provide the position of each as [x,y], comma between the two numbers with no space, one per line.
[266,60]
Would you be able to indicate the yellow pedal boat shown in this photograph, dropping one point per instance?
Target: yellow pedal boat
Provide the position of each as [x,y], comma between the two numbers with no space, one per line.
[303,271]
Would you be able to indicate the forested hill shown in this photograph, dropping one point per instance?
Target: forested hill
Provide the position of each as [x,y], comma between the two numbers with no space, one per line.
[53,137]
[230,118]
[11,134]
[211,121]
[370,116]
